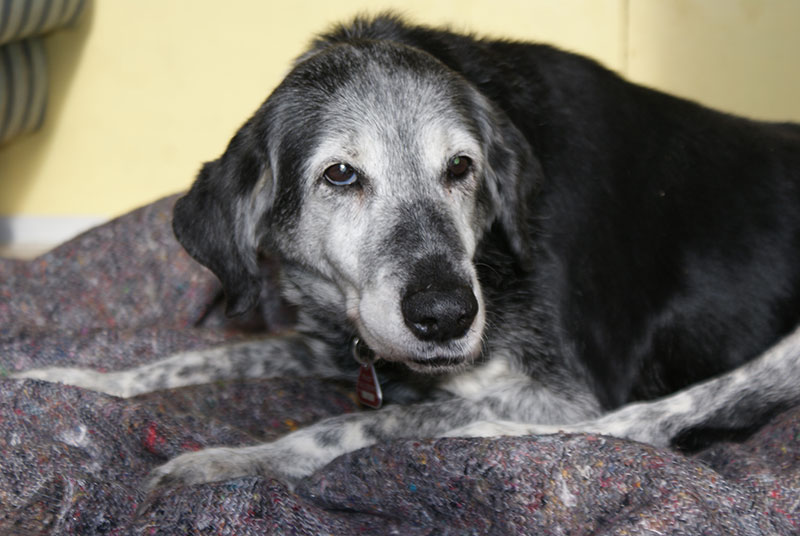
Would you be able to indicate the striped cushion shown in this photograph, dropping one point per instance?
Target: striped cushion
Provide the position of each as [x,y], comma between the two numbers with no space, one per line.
[24,18]
[23,73]
[23,88]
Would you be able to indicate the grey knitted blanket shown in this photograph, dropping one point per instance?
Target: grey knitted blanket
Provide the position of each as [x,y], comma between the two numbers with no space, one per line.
[73,461]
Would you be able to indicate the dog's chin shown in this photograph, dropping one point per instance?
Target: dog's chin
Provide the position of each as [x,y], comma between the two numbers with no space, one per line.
[428,360]
[439,360]
[437,364]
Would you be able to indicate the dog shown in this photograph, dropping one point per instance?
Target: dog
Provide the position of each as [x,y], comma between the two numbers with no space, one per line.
[500,238]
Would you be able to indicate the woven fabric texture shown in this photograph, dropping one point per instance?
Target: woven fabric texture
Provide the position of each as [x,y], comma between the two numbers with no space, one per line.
[73,461]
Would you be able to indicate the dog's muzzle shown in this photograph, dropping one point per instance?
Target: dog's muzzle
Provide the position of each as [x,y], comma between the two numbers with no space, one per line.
[439,314]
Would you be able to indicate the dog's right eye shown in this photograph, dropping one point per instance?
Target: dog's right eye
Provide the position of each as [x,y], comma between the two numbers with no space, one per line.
[458,166]
[340,175]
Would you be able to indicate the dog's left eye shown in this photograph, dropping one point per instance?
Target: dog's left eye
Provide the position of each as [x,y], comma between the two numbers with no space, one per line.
[340,175]
[458,166]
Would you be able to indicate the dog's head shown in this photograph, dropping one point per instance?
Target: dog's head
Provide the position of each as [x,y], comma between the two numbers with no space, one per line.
[373,171]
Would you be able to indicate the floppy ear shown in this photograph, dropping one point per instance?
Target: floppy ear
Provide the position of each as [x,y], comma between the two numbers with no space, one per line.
[217,220]
[513,174]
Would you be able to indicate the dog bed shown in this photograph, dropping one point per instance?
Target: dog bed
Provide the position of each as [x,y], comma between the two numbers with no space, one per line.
[74,461]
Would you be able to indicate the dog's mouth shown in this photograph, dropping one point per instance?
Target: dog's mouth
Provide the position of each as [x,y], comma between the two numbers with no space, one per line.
[437,362]
[421,356]
[428,364]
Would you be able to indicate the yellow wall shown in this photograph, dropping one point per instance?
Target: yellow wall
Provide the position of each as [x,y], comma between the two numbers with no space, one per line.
[741,56]
[143,91]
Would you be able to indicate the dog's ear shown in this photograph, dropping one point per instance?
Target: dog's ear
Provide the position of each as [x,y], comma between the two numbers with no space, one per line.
[513,174]
[217,220]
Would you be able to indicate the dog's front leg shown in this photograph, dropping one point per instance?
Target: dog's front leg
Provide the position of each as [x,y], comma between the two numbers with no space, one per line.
[292,355]
[741,398]
[302,452]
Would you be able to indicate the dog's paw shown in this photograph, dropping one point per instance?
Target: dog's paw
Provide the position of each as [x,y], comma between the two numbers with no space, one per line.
[203,466]
[500,428]
[655,423]
[226,463]
[85,378]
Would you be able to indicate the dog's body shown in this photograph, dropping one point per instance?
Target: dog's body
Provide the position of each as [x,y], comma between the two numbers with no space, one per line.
[526,241]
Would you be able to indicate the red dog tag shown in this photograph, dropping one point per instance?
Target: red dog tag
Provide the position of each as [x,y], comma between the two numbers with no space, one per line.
[368,389]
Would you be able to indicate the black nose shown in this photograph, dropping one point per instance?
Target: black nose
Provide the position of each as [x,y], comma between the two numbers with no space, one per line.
[439,315]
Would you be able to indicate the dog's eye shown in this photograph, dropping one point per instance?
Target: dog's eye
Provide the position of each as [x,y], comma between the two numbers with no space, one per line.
[340,175]
[458,167]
